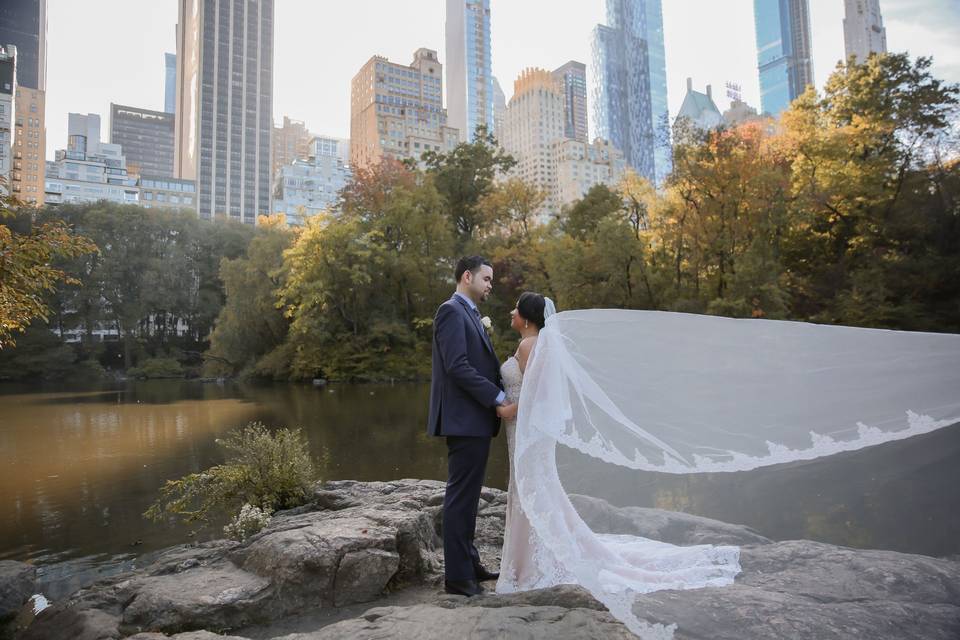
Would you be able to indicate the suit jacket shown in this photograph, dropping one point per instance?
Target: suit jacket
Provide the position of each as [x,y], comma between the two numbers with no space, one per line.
[465,380]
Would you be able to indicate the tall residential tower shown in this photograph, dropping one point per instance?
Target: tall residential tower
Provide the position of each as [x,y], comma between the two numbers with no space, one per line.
[863,31]
[630,85]
[784,58]
[470,95]
[572,78]
[224,105]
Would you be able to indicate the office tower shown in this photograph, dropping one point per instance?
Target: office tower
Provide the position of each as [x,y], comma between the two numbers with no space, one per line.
[470,95]
[88,170]
[30,146]
[23,23]
[290,142]
[170,82]
[863,30]
[224,105]
[8,87]
[783,52]
[698,109]
[572,78]
[630,85]
[396,110]
[146,138]
[307,187]
[499,109]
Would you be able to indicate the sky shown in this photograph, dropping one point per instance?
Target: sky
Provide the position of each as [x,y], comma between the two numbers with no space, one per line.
[103,51]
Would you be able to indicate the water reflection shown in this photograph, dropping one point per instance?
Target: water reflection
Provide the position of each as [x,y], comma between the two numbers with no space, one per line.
[78,468]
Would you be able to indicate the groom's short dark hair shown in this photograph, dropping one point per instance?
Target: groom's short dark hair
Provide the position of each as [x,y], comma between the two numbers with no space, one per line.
[471,264]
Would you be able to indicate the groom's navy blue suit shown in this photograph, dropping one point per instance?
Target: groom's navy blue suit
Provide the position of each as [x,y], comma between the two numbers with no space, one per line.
[464,391]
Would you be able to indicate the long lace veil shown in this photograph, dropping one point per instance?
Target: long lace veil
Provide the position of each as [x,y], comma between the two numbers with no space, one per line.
[683,393]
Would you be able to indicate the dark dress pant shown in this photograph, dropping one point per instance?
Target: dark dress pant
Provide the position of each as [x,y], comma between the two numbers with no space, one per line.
[466,468]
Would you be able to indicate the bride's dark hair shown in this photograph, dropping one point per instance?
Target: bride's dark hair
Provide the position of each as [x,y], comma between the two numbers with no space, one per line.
[530,306]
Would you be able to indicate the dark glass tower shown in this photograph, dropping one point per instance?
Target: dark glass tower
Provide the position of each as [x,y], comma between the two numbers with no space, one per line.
[24,23]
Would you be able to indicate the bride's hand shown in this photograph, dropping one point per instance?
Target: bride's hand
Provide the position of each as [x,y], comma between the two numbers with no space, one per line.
[507,411]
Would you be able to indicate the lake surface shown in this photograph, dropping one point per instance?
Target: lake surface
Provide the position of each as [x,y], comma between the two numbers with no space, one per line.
[79,467]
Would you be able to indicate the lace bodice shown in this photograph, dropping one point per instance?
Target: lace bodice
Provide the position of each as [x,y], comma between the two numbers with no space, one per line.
[512,378]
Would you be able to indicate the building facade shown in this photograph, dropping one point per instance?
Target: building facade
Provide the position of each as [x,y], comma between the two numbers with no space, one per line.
[581,165]
[784,58]
[532,125]
[146,138]
[470,94]
[23,23]
[698,110]
[8,89]
[630,85]
[305,188]
[224,105]
[290,141]
[572,78]
[863,30]
[88,170]
[29,151]
[170,82]
[499,109]
[396,111]
[164,192]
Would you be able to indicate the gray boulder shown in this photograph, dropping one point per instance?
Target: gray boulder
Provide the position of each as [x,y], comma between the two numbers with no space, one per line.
[17,583]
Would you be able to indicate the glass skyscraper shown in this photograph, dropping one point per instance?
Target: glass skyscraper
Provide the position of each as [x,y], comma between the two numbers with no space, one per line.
[24,23]
[630,85]
[783,52]
[224,105]
[469,78]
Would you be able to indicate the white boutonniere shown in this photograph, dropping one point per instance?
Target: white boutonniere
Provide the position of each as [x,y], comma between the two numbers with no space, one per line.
[487,324]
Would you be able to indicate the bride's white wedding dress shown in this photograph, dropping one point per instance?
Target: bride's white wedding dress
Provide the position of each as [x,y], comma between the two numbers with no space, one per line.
[681,393]
[632,564]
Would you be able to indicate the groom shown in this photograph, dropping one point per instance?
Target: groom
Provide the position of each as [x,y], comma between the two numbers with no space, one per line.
[465,402]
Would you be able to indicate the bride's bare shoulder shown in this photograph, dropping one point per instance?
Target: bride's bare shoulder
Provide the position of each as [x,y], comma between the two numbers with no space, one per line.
[523,351]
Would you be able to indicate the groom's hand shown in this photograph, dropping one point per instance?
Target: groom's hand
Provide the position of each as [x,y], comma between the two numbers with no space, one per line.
[507,411]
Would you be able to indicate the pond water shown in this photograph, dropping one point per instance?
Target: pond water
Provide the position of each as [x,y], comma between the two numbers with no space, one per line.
[79,467]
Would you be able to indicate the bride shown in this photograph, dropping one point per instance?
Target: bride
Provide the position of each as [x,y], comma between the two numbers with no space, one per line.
[683,393]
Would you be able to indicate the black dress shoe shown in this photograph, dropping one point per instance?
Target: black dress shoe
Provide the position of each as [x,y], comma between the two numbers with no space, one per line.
[483,574]
[462,587]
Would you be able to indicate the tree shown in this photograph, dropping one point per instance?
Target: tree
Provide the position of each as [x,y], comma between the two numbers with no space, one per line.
[27,273]
[464,175]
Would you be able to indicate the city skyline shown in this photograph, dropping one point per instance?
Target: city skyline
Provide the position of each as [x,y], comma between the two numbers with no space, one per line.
[322,98]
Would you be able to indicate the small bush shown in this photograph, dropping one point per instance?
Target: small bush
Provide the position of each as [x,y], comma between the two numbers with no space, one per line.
[157,368]
[266,470]
[249,521]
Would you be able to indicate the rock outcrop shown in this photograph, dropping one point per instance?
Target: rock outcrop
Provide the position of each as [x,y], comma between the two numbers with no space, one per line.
[358,545]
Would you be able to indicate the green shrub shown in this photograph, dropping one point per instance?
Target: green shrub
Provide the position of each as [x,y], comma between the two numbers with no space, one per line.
[267,470]
[157,368]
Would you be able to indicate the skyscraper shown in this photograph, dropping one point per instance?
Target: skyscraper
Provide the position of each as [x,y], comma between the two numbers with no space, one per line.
[396,110]
[499,108]
[572,78]
[863,31]
[24,23]
[469,81]
[630,85]
[783,52]
[170,82]
[8,88]
[290,142]
[224,105]
[146,138]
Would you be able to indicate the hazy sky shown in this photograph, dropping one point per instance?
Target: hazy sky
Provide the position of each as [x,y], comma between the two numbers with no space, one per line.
[103,51]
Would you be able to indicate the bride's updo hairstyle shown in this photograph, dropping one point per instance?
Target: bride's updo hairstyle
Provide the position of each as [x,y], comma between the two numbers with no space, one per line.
[530,306]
